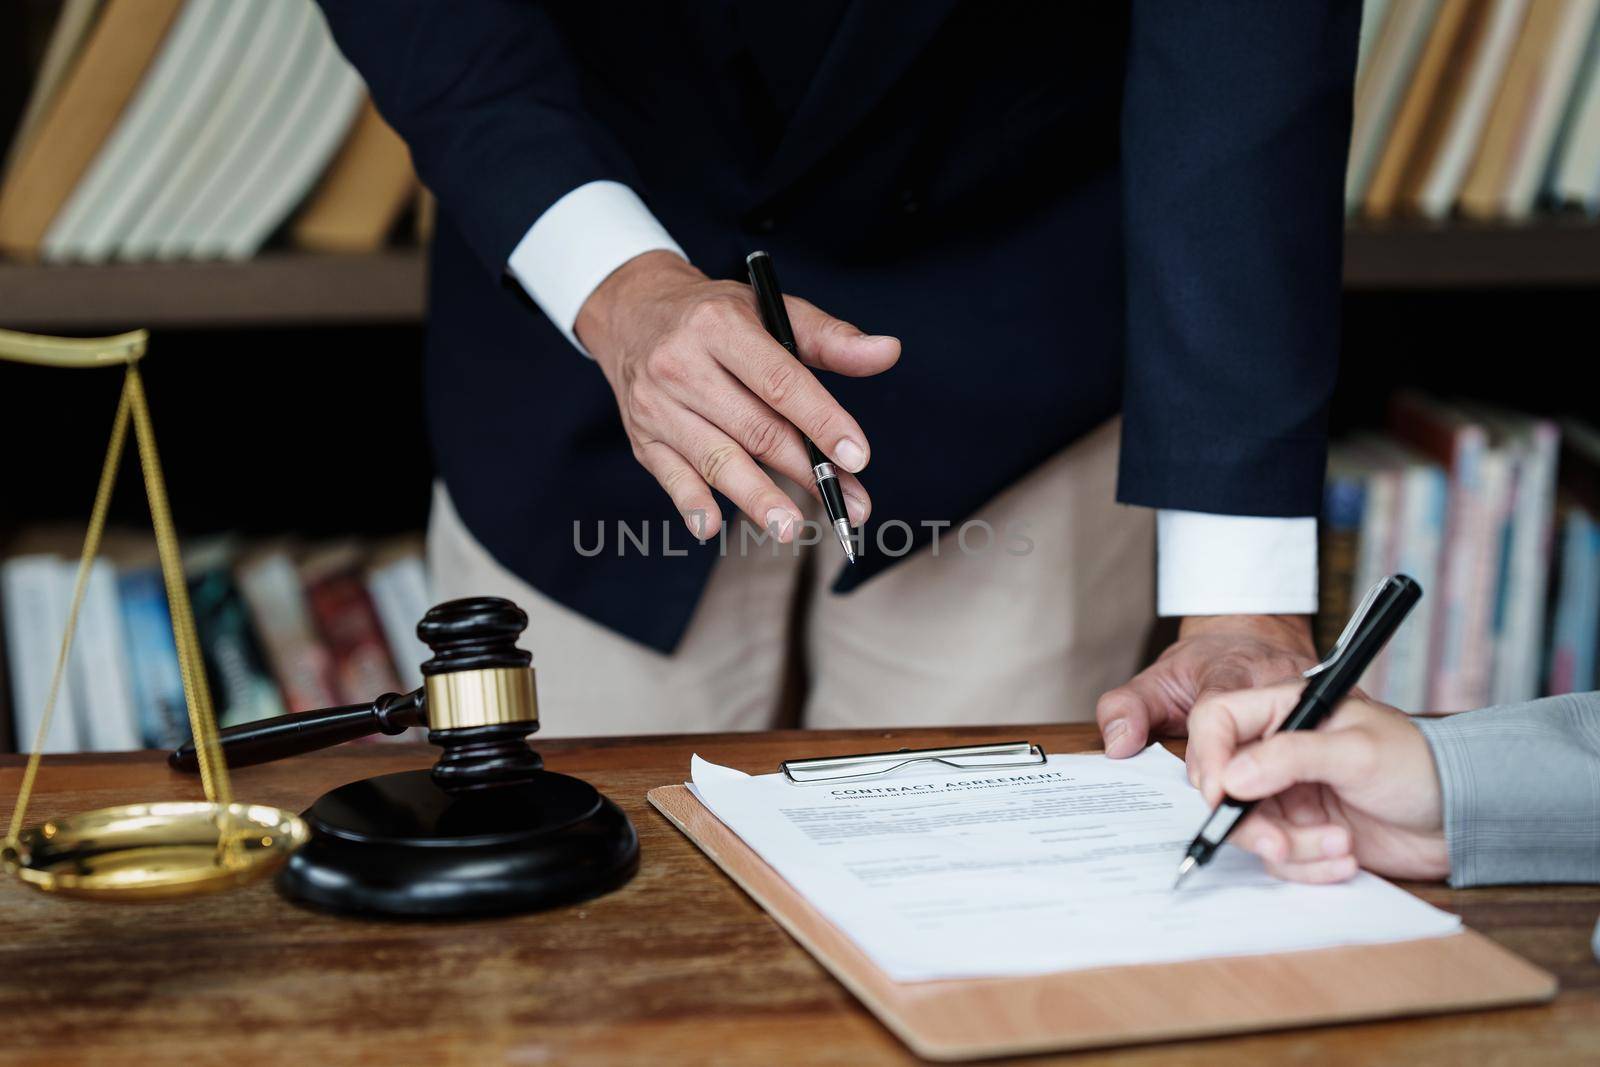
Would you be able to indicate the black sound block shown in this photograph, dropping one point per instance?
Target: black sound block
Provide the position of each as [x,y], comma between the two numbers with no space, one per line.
[398,845]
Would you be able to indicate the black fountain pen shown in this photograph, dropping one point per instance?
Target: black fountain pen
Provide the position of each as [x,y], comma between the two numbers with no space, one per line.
[1382,610]
[764,280]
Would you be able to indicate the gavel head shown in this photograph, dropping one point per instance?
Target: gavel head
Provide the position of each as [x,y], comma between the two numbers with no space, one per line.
[479,693]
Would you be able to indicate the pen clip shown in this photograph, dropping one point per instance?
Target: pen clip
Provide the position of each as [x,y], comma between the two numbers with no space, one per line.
[1350,628]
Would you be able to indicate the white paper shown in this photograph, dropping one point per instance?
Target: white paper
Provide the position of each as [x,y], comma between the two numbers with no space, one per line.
[965,874]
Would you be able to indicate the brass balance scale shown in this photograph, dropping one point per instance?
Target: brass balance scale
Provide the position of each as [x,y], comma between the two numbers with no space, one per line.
[487,831]
[155,850]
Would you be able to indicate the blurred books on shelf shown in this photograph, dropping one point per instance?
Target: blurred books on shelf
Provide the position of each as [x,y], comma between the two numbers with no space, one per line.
[281,629]
[342,607]
[196,130]
[1467,499]
[1486,108]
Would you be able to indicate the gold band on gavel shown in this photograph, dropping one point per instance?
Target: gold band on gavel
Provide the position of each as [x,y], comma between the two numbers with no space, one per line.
[486,697]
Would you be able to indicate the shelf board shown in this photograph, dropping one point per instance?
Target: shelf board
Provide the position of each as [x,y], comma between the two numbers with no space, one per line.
[296,288]
[1556,252]
[283,288]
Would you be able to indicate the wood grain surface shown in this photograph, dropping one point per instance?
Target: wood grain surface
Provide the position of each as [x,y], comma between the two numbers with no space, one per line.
[680,966]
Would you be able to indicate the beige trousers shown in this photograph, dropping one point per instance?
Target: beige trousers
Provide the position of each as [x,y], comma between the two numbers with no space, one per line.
[1029,622]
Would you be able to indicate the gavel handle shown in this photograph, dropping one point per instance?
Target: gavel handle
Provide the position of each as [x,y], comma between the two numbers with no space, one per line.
[306,731]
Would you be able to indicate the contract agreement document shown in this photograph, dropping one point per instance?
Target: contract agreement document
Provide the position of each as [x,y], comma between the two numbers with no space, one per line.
[1069,864]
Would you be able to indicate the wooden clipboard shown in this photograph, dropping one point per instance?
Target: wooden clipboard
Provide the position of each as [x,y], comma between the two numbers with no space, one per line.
[976,1018]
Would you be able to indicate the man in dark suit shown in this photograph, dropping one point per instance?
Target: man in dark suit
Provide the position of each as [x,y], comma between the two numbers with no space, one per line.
[1060,211]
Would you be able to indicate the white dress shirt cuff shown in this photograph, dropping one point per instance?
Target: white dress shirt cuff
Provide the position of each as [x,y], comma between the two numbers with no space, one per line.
[578,242]
[1235,564]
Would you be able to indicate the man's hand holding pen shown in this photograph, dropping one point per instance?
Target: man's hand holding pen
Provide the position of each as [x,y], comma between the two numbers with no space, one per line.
[708,398]
[710,401]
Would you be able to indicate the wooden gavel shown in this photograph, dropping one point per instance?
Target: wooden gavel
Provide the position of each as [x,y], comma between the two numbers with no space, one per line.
[477,700]
[487,830]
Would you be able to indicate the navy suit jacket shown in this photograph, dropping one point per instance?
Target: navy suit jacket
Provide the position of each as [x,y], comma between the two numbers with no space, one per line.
[1062,210]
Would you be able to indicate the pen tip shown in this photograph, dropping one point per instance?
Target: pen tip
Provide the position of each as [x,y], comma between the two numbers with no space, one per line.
[846,540]
[1183,872]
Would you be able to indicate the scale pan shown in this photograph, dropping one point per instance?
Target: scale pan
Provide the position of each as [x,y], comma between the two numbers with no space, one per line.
[154,851]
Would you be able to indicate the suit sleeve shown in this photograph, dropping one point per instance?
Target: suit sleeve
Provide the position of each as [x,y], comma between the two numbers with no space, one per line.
[488,99]
[1521,789]
[1235,127]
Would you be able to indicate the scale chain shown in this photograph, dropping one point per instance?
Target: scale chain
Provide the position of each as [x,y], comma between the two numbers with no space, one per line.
[91,547]
[197,693]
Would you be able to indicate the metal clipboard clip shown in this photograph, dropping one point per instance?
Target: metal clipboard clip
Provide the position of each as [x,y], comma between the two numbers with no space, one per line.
[879,764]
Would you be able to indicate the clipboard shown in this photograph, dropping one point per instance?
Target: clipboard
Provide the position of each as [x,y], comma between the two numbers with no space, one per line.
[978,1018]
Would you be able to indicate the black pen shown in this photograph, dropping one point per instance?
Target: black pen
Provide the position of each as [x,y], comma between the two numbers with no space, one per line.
[1382,610]
[764,280]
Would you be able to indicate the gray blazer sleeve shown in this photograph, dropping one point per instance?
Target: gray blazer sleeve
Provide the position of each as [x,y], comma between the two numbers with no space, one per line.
[1521,787]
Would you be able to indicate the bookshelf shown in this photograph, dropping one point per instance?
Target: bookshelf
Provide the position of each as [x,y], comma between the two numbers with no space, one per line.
[286,288]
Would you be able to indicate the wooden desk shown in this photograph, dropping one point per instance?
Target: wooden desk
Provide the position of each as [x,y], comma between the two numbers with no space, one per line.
[678,967]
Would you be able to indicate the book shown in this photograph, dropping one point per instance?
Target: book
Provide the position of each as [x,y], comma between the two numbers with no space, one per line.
[1415,547]
[293,154]
[348,623]
[153,658]
[122,44]
[1378,520]
[1488,548]
[67,38]
[262,112]
[1576,619]
[1419,120]
[398,585]
[363,193]
[1575,173]
[1528,532]
[1373,15]
[302,665]
[1576,627]
[1374,541]
[1426,492]
[1460,641]
[1433,192]
[332,108]
[1401,524]
[1552,90]
[242,689]
[162,118]
[101,678]
[1488,181]
[1393,57]
[225,134]
[35,597]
